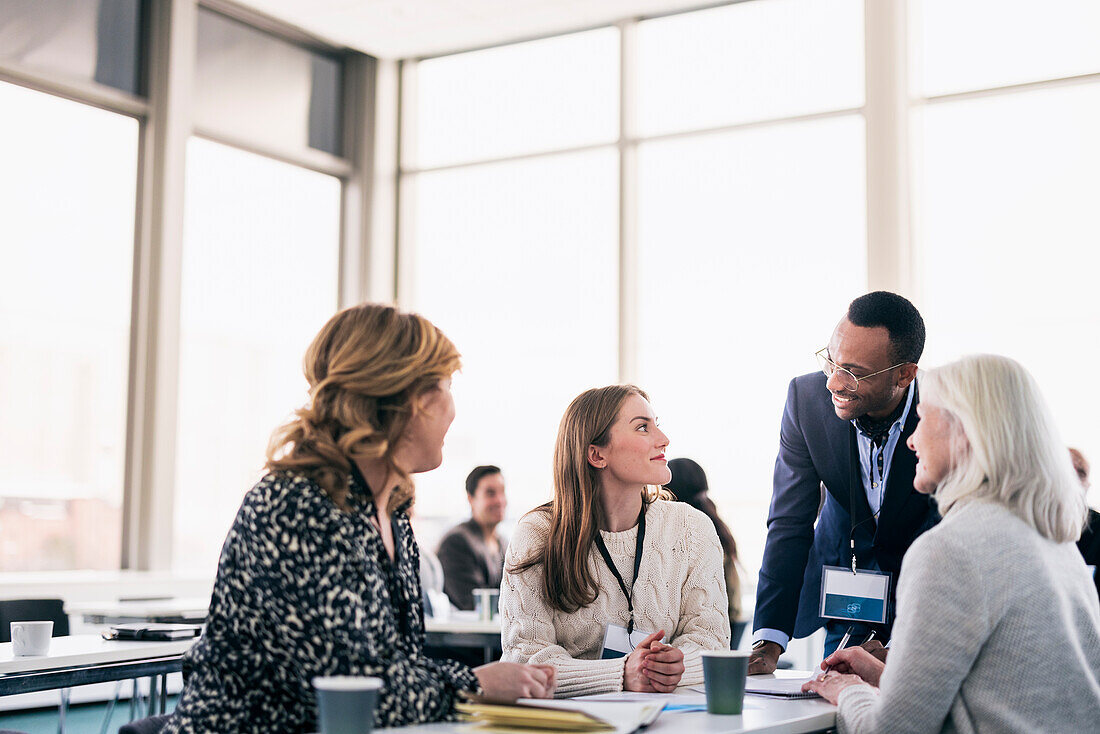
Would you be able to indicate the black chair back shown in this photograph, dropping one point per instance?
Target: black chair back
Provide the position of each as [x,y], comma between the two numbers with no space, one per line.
[29,610]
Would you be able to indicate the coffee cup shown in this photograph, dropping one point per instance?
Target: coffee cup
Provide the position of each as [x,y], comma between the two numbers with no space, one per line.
[31,638]
[345,703]
[487,604]
[724,673]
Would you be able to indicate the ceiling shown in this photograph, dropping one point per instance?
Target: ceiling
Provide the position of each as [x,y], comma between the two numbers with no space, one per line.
[410,28]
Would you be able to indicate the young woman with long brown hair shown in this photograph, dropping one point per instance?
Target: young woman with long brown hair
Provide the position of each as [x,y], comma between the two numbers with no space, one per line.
[320,574]
[595,578]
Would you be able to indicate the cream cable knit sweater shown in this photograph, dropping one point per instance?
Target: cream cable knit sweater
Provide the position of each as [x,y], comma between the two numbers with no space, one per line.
[680,589]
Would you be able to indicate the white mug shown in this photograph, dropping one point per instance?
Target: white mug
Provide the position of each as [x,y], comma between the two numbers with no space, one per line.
[31,638]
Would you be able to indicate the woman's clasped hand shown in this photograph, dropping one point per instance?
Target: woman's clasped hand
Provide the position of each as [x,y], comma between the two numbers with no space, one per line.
[653,666]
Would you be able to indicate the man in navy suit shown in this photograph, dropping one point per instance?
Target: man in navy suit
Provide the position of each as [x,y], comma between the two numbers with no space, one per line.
[843,462]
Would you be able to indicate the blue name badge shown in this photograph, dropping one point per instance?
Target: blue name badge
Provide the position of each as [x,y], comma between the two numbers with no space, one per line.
[861,596]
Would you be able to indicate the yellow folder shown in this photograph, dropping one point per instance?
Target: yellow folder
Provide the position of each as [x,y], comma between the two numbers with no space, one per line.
[565,715]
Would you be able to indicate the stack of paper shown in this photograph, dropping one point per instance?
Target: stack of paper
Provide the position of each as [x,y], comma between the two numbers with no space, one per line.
[568,715]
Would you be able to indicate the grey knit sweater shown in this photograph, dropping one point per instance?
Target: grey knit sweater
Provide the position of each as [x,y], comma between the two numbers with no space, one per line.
[998,630]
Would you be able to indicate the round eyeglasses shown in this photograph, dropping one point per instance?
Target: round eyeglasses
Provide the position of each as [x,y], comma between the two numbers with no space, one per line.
[848,381]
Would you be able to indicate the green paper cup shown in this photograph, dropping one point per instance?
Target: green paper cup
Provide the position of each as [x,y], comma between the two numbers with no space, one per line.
[345,703]
[724,672]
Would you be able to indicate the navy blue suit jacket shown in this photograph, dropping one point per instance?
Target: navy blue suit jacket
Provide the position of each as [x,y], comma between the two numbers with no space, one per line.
[814,452]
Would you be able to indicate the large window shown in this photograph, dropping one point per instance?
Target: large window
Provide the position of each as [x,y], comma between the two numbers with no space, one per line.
[749,61]
[687,202]
[260,265]
[261,241]
[751,239]
[517,260]
[751,245]
[1008,240]
[964,45]
[159,284]
[529,297]
[67,194]
[742,190]
[531,97]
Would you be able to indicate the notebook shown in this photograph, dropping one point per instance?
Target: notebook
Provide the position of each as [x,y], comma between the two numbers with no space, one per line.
[151,631]
[533,715]
[781,684]
[785,684]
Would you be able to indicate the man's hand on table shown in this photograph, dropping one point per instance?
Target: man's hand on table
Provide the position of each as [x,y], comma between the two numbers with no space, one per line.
[764,658]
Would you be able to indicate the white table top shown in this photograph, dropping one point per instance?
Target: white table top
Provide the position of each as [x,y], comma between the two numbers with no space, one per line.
[761,715]
[465,626]
[82,650]
[459,622]
[180,606]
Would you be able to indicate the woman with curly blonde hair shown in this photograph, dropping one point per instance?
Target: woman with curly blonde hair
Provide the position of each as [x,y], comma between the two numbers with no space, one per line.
[319,573]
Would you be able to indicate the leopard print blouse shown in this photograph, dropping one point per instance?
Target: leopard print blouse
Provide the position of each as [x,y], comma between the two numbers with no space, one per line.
[305,589]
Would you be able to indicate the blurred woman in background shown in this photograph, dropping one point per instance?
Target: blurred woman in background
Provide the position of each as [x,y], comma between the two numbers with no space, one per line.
[689,484]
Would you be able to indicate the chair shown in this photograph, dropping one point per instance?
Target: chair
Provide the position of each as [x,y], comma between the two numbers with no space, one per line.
[29,610]
[737,631]
[149,725]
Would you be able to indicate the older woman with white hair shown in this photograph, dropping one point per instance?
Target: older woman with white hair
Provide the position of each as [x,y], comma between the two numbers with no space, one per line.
[998,626]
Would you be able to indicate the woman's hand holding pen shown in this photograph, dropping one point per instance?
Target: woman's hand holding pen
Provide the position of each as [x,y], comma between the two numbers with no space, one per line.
[857,661]
[848,666]
[829,685]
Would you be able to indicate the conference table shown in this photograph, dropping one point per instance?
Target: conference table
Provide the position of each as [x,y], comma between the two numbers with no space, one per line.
[77,660]
[82,659]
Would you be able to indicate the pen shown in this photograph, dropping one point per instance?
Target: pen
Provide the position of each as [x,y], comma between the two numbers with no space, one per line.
[843,641]
[870,637]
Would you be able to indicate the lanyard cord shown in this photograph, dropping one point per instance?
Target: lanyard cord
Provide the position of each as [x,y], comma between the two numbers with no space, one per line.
[627,592]
[855,479]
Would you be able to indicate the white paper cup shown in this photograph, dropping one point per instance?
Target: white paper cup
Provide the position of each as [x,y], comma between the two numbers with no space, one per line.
[31,638]
[345,703]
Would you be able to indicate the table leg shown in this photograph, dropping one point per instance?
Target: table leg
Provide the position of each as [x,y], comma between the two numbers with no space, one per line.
[62,710]
[110,709]
[151,708]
